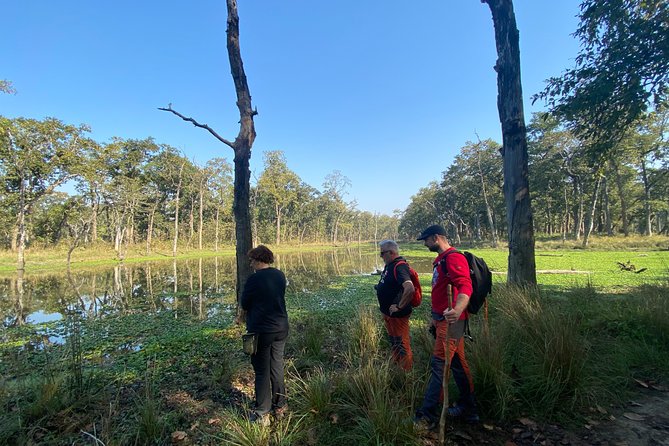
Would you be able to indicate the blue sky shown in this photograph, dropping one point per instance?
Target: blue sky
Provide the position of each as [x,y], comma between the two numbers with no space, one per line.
[384,91]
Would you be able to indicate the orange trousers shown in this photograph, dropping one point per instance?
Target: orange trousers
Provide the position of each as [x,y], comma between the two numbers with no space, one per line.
[400,340]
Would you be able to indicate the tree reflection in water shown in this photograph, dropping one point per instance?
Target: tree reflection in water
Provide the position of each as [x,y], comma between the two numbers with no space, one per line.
[201,290]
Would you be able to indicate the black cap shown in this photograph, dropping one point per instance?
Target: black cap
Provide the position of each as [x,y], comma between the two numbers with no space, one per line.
[432,230]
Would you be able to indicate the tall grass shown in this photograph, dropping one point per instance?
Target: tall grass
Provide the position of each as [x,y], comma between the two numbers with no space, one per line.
[544,350]
[151,426]
[239,431]
[364,335]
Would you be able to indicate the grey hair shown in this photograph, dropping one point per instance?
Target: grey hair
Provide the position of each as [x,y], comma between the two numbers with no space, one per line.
[390,245]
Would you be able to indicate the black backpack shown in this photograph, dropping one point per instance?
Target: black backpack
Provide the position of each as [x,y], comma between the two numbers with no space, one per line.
[481,279]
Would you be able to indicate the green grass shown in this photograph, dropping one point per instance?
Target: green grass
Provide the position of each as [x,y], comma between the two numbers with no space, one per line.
[549,353]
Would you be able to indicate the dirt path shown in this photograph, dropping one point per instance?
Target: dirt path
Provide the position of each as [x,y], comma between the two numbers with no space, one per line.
[642,421]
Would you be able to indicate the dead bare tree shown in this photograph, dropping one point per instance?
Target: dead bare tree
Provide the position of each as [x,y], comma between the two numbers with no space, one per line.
[522,266]
[241,147]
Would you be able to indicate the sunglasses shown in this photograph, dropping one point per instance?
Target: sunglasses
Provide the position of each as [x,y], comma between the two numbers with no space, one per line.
[384,252]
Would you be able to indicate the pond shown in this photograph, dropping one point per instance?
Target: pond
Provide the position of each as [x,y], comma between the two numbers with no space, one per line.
[200,287]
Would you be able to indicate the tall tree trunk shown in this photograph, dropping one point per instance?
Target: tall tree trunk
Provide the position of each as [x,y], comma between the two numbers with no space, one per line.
[335,230]
[608,221]
[590,217]
[216,230]
[522,267]
[477,227]
[149,229]
[175,240]
[565,219]
[191,221]
[488,209]
[94,217]
[621,196]
[277,213]
[578,208]
[242,149]
[21,245]
[646,198]
[200,223]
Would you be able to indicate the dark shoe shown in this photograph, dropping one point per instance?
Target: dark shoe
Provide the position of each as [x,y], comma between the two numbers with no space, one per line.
[459,411]
[262,420]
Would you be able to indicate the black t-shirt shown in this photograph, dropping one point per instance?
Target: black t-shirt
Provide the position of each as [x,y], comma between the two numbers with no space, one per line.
[264,300]
[389,289]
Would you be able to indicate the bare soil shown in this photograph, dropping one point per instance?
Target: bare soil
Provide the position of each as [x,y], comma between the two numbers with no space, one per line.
[642,421]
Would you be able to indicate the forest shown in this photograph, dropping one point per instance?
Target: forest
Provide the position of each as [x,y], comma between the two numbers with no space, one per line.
[140,192]
[572,346]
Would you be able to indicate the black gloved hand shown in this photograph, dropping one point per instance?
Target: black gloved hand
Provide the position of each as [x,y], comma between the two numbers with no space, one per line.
[433,331]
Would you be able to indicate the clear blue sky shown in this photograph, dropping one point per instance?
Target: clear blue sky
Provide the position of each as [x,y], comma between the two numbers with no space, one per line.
[385,91]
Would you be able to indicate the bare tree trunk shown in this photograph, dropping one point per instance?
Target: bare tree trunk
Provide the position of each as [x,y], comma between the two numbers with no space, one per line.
[565,219]
[477,227]
[488,209]
[175,240]
[590,217]
[608,221]
[191,221]
[277,212]
[216,234]
[21,246]
[200,223]
[242,149]
[621,196]
[646,198]
[578,208]
[335,230]
[149,229]
[94,217]
[522,266]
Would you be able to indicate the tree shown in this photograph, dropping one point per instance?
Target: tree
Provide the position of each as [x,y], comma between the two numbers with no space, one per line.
[334,189]
[424,210]
[481,164]
[126,163]
[279,184]
[522,267]
[622,68]
[220,181]
[241,147]
[35,158]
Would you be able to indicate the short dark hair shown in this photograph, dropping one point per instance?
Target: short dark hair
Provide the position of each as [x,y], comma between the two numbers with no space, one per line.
[261,253]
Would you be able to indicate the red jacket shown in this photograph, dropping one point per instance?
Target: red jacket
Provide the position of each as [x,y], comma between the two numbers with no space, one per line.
[458,275]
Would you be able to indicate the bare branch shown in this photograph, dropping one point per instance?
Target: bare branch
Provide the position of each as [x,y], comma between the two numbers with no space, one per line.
[197,124]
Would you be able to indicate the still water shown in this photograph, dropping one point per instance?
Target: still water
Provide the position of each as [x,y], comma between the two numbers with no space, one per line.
[201,287]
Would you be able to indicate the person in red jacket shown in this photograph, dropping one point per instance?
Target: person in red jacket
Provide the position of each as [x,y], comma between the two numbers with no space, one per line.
[452,269]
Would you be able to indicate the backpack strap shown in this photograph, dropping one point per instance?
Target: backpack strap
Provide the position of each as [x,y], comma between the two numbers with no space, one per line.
[399,262]
[442,262]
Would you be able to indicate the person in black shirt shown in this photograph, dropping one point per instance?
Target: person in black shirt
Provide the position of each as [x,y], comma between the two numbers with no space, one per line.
[263,299]
[394,292]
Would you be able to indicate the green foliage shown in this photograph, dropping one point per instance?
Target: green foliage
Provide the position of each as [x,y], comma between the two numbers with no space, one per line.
[611,86]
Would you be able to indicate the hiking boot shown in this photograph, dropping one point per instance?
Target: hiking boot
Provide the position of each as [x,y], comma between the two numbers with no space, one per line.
[423,424]
[460,411]
[280,412]
[262,420]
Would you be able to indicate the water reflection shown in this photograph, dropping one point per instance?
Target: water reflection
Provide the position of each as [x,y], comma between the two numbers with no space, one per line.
[201,287]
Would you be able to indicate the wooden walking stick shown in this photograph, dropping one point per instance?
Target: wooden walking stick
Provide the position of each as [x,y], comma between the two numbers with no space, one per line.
[447,372]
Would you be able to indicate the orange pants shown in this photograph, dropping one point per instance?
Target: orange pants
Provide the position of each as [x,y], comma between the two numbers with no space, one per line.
[400,340]
[456,352]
